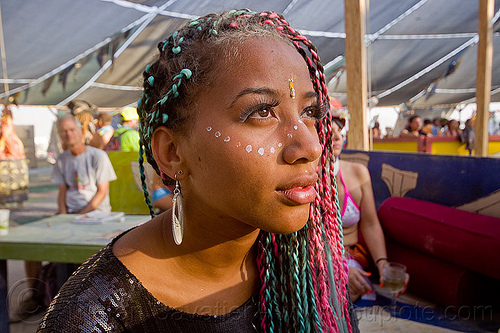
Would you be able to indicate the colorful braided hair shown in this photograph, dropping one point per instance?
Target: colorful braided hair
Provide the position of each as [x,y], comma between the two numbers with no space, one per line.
[303,274]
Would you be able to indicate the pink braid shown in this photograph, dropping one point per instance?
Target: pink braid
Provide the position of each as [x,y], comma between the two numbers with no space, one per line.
[323,212]
[318,256]
[262,272]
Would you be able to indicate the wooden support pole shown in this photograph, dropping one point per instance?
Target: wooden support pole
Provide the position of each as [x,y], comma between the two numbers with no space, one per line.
[355,53]
[483,78]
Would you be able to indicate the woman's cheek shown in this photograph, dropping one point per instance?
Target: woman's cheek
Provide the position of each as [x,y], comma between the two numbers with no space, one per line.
[255,146]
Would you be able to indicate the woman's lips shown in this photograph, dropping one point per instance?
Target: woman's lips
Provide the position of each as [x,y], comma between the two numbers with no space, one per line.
[299,195]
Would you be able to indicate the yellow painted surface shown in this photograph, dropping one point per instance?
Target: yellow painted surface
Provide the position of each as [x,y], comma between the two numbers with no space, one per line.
[452,147]
[493,147]
[406,146]
[124,195]
[449,148]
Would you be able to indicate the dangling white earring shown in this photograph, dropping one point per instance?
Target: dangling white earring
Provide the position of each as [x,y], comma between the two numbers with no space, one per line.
[336,166]
[177,214]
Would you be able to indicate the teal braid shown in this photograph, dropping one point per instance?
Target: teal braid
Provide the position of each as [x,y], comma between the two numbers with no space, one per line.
[284,281]
[270,297]
[173,91]
[308,291]
[143,182]
[297,313]
[274,287]
[266,310]
[303,266]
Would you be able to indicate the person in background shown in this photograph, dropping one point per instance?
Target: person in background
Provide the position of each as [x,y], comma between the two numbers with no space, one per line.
[84,111]
[126,136]
[11,146]
[436,127]
[497,130]
[453,128]
[82,172]
[104,130]
[77,106]
[89,129]
[427,128]
[376,132]
[468,134]
[162,195]
[233,114]
[358,212]
[413,128]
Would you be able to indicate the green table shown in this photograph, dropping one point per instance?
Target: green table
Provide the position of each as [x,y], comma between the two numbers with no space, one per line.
[55,239]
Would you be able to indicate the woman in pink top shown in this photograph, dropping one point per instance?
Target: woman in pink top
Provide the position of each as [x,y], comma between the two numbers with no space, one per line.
[358,211]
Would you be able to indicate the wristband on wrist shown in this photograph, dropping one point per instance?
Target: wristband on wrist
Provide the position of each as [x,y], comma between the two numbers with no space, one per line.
[380,259]
[160,193]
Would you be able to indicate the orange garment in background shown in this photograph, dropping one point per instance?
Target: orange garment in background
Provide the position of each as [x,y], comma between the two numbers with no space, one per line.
[11,147]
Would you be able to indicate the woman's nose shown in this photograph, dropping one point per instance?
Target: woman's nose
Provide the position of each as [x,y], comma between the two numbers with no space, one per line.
[302,144]
[337,135]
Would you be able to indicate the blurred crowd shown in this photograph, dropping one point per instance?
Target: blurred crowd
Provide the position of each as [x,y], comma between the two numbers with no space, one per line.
[416,126]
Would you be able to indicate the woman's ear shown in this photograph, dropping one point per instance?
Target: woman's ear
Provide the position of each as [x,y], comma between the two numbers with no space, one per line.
[165,151]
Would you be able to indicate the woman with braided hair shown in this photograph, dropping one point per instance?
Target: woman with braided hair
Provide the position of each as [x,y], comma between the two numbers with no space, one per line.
[232,115]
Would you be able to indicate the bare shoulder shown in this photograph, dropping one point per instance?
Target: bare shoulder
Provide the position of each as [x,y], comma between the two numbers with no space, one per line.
[139,240]
[354,169]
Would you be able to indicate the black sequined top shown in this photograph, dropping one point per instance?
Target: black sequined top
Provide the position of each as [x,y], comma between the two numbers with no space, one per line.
[104,296]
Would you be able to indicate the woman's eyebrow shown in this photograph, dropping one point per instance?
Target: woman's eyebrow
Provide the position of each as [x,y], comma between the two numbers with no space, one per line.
[311,94]
[267,91]
[255,91]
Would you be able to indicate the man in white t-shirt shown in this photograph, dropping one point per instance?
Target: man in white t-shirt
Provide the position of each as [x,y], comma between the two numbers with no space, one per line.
[82,172]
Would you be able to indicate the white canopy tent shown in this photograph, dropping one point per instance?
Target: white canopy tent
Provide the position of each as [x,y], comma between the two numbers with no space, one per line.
[419,51]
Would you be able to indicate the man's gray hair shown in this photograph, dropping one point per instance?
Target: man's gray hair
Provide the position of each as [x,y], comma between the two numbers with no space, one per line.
[69,116]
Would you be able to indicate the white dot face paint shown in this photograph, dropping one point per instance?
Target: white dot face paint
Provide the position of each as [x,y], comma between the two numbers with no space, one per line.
[227,139]
[261,151]
[289,135]
[238,145]
[209,128]
[280,144]
[272,150]
[217,134]
[295,127]
[248,148]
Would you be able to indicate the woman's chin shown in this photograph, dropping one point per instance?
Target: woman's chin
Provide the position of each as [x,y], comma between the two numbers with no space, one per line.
[288,227]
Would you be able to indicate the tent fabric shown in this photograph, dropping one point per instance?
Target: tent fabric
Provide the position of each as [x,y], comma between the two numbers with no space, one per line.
[420,53]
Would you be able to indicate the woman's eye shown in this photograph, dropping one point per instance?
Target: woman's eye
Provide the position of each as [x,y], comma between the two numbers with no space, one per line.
[312,112]
[264,112]
[261,112]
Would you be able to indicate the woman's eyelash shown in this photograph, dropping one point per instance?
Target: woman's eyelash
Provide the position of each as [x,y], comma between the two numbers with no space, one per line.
[317,111]
[257,106]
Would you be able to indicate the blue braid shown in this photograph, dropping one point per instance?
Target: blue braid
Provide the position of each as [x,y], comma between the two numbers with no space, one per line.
[284,282]
[173,91]
[143,182]
[267,278]
[298,315]
[303,266]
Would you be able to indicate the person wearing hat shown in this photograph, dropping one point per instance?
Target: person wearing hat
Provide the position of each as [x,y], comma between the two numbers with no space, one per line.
[126,137]
[84,111]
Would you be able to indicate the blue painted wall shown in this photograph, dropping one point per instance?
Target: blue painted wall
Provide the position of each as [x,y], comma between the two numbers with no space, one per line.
[446,180]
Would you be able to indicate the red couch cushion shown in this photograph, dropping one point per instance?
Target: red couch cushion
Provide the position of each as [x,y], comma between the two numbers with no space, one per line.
[442,282]
[466,239]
